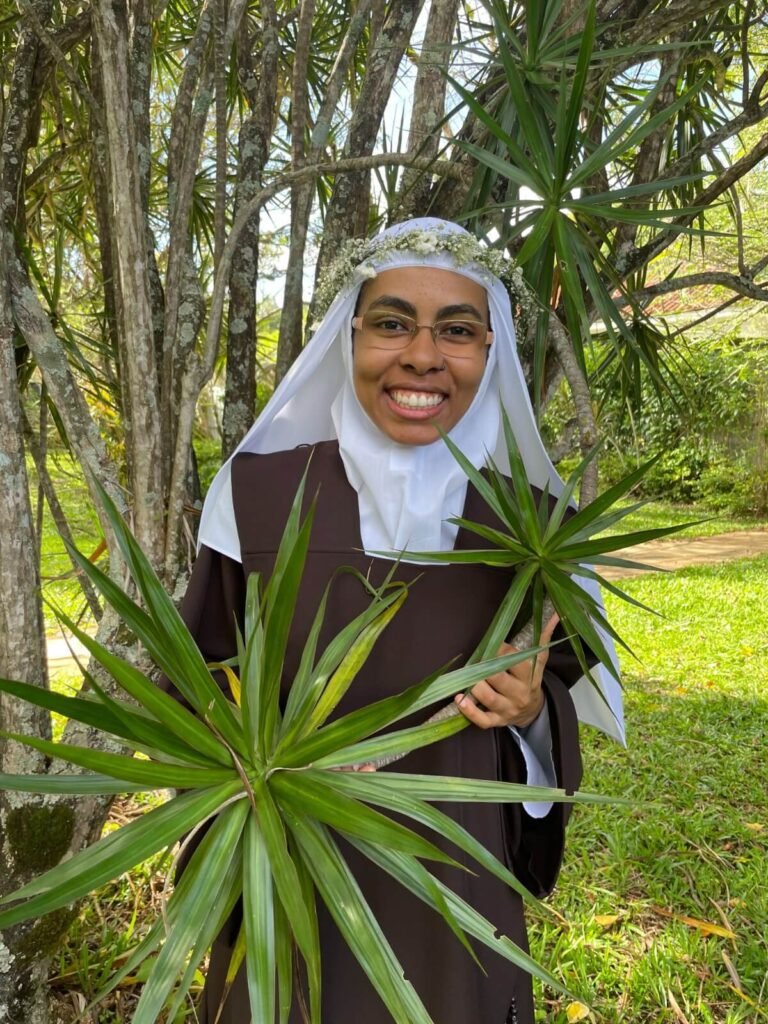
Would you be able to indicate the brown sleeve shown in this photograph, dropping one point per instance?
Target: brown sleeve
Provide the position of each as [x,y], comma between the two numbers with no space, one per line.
[214,601]
[536,844]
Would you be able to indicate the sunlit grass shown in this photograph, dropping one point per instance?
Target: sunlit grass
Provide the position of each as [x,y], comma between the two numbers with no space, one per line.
[702,522]
[696,845]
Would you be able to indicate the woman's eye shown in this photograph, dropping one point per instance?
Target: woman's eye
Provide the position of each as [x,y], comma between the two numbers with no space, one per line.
[458,330]
[390,324]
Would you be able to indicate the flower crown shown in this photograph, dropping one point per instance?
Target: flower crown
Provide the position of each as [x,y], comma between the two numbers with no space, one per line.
[351,266]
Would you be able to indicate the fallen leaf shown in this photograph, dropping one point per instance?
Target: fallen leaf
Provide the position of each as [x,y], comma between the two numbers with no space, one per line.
[731,970]
[606,920]
[576,1011]
[676,1008]
[754,826]
[707,927]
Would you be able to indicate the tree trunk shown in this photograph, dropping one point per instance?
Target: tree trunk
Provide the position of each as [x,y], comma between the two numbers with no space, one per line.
[428,105]
[34,832]
[137,328]
[291,319]
[255,133]
[347,215]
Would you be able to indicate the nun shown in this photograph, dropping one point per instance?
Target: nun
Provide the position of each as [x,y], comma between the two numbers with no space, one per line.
[417,333]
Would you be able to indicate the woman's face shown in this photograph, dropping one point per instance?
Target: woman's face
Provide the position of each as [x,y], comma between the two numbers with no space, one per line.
[407,391]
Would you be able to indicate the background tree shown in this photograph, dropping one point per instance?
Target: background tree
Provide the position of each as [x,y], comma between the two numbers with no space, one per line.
[154,159]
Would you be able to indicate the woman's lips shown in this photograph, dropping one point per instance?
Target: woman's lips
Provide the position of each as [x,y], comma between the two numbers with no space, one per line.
[417,405]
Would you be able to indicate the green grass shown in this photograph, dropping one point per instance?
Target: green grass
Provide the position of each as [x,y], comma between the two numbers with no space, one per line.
[60,585]
[703,523]
[696,845]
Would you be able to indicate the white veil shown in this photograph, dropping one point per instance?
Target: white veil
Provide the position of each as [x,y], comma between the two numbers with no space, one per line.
[315,401]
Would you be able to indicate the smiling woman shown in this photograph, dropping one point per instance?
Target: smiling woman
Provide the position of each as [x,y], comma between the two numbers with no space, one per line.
[404,347]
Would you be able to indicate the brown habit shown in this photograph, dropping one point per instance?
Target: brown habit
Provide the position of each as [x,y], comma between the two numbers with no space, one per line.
[444,616]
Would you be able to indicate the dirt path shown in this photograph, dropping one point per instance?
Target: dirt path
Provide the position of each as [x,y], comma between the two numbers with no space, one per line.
[679,554]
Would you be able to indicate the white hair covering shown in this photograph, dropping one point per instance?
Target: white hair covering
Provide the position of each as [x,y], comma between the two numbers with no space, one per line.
[406,492]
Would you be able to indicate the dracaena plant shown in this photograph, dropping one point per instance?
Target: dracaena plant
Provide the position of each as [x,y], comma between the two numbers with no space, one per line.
[547,547]
[264,779]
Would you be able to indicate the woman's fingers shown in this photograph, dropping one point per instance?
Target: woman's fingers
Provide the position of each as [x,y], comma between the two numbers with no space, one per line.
[477,715]
[510,697]
[549,628]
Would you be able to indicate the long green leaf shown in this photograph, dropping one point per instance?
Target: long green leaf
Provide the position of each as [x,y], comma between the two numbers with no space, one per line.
[356,922]
[352,662]
[393,744]
[301,915]
[259,921]
[111,856]
[314,798]
[78,708]
[616,542]
[251,658]
[186,668]
[208,866]
[363,722]
[329,662]
[504,618]
[395,798]
[221,905]
[450,789]
[77,785]
[298,695]
[411,875]
[280,599]
[158,774]
[163,707]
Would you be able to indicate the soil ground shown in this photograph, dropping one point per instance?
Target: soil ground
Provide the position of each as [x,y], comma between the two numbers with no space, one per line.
[674,554]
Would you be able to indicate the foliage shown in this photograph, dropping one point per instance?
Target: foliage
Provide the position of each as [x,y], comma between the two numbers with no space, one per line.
[547,549]
[712,443]
[699,685]
[131,145]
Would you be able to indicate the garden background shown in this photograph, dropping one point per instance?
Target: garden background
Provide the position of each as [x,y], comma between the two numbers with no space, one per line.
[172,178]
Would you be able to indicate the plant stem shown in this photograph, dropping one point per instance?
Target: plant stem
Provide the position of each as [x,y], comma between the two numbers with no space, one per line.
[522,640]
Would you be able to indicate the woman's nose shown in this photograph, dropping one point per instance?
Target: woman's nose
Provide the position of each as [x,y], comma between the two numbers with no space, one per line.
[422,354]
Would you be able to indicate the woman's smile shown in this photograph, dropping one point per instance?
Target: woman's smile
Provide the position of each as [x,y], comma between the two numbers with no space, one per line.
[415,402]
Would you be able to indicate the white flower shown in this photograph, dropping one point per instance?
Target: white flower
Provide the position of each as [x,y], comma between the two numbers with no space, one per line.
[365,272]
[426,243]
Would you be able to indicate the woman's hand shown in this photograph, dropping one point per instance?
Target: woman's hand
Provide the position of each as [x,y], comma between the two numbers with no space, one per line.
[513,697]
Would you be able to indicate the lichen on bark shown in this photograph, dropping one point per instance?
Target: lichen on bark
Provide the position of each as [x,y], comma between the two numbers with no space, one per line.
[38,837]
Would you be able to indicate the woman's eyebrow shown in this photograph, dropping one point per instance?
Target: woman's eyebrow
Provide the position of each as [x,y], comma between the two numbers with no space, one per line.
[393,302]
[465,307]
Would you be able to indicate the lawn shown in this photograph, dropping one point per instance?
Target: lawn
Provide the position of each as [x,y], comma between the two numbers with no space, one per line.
[702,522]
[60,585]
[696,844]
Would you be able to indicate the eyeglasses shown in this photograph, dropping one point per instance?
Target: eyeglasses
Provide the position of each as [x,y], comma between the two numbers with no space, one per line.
[453,338]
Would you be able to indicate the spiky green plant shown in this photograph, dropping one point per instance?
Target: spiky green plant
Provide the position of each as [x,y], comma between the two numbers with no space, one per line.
[547,548]
[266,781]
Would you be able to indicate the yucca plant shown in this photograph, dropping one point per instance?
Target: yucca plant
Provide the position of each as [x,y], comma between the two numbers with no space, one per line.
[264,779]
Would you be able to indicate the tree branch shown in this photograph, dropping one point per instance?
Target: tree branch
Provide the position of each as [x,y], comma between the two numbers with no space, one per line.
[639,257]
[59,57]
[742,284]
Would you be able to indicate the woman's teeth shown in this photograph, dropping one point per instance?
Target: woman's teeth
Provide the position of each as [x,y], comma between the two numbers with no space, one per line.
[416,399]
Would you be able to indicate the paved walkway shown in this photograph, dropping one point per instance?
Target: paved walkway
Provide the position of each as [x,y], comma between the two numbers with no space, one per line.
[679,554]
[661,554]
